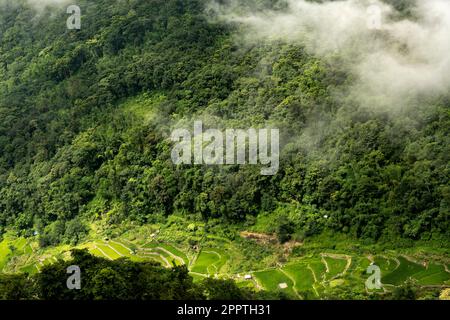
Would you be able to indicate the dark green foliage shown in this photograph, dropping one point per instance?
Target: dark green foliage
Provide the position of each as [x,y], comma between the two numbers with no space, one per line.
[70,153]
[214,289]
[406,291]
[285,229]
[16,287]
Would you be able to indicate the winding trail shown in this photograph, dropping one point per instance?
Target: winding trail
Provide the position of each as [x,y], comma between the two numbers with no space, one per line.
[338,257]
[315,280]
[327,269]
[199,274]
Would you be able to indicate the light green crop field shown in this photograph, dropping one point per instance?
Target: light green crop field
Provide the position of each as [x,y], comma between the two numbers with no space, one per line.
[97,253]
[335,266]
[198,277]
[435,274]
[405,270]
[272,279]
[297,278]
[30,269]
[169,255]
[176,252]
[121,248]
[386,265]
[164,254]
[108,251]
[151,245]
[206,262]
[302,276]
[13,247]
[4,253]
[223,258]
[153,256]
[318,268]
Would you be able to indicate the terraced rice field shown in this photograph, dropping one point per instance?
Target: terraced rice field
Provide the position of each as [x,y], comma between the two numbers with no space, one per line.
[299,278]
[335,266]
[433,274]
[13,247]
[208,262]
[167,253]
[176,253]
[301,274]
[318,269]
[275,280]
[386,265]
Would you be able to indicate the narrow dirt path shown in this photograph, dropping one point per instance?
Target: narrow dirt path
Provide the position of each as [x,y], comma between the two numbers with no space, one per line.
[258,285]
[313,273]
[347,266]
[199,274]
[315,280]
[410,259]
[327,269]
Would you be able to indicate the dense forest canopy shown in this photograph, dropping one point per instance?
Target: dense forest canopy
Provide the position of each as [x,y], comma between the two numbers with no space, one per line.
[85,117]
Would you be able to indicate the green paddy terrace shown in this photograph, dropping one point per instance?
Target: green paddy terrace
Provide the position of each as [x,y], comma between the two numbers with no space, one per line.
[304,272]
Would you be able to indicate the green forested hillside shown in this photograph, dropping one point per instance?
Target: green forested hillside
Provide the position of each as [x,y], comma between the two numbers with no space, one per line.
[85,117]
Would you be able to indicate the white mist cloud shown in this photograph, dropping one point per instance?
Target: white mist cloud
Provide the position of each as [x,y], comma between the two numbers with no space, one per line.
[39,4]
[400,59]
[44,3]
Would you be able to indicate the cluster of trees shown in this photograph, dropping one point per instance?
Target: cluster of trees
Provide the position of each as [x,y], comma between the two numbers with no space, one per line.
[70,153]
